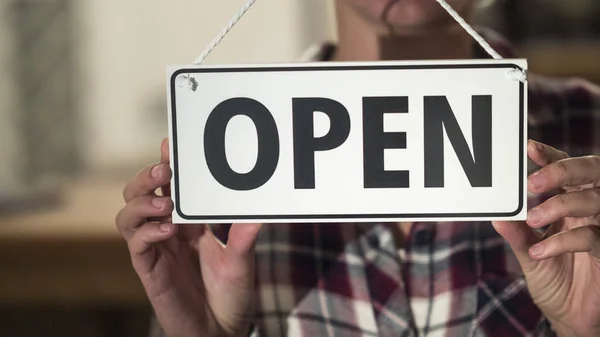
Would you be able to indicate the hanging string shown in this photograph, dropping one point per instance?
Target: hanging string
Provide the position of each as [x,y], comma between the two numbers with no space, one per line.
[224,32]
[469,29]
[517,74]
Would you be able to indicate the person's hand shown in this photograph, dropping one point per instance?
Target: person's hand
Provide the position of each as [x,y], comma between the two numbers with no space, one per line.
[196,286]
[562,267]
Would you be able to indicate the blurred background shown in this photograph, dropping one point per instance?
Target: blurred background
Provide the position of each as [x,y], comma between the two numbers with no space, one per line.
[83,107]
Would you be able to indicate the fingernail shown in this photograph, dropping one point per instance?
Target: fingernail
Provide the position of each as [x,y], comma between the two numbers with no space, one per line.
[537,180]
[537,249]
[165,227]
[159,202]
[535,215]
[533,145]
[156,171]
[538,146]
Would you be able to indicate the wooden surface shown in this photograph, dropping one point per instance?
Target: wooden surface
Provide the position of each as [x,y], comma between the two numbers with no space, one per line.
[71,255]
[88,211]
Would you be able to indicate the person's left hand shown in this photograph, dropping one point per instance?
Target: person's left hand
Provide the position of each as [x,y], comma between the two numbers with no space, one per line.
[562,267]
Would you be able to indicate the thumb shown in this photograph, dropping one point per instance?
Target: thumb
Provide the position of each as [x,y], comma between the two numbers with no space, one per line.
[164,150]
[241,241]
[164,158]
[520,237]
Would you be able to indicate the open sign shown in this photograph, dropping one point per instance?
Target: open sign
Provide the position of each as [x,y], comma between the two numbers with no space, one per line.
[391,141]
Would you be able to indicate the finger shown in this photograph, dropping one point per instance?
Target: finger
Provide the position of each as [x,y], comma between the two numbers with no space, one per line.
[146,181]
[520,237]
[578,240]
[241,240]
[585,203]
[564,173]
[139,209]
[543,154]
[164,158]
[148,234]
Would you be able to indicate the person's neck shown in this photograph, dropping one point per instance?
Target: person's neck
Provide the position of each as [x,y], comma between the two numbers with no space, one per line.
[359,40]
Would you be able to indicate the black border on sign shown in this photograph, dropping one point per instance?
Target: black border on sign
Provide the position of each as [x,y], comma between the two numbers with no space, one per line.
[338,68]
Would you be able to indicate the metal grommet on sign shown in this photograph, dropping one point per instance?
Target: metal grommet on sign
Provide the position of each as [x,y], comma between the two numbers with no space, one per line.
[517,74]
[186,81]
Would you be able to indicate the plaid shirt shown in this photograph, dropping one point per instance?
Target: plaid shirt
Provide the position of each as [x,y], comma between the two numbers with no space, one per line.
[447,279]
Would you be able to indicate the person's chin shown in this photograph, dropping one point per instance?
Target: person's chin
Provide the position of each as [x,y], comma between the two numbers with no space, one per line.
[410,27]
[406,16]
[416,16]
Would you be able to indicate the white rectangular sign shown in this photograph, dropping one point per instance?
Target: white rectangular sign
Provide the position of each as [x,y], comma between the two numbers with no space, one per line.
[338,142]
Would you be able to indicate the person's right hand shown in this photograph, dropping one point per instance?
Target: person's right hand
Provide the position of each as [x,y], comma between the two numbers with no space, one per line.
[196,286]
